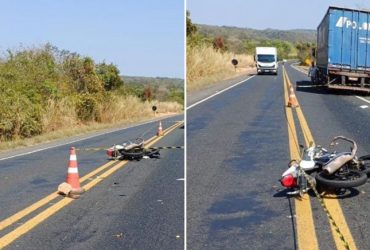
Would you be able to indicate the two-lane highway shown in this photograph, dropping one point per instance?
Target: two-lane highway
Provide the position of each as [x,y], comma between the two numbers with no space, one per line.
[130,205]
[238,145]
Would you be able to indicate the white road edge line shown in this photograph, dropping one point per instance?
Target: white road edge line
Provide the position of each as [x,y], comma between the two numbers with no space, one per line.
[300,70]
[219,92]
[70,142]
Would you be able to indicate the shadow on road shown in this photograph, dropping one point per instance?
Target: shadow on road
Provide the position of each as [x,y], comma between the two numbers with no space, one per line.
[337,194]
[327,194]
[284,193]
[308,87]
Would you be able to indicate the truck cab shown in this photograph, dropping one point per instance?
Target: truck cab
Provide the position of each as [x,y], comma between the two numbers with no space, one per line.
[266,60]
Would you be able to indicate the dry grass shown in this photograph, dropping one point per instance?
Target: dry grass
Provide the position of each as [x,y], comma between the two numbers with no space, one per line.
[59,115]
[60,120]
[205,65]
[131,108]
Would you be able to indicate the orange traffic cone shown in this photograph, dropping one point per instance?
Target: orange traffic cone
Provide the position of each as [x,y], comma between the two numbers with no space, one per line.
[160,130]
[72,176]
[292,98]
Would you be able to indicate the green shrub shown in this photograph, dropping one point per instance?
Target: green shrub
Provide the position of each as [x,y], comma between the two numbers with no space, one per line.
[87,108]
[19,117]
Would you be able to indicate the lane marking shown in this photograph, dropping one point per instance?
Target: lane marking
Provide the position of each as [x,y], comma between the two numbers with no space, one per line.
[219,92]
[181,179]
[364,106]
[304,218]
[24,212]
[362,99]
[332,204]
[298,69]
[33,222]
[78,140]
[359,97]
[14,218]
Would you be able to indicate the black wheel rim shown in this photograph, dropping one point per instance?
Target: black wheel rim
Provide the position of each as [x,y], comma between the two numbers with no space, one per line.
[346,175]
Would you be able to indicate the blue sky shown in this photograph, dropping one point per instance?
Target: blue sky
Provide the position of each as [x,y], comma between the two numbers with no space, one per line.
[142,37]
[277,14]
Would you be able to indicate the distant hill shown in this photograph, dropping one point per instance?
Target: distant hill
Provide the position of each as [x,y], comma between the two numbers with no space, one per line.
[237,33]
[162,81]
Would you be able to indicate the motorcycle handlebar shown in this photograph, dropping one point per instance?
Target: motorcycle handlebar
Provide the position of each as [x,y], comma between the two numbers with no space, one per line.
[340,137]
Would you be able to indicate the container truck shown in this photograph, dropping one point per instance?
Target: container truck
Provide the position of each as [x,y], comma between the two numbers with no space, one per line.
[343,50]
[266,60]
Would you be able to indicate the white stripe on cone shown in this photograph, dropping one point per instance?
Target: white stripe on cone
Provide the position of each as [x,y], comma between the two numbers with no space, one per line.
[73,170]
[73,158]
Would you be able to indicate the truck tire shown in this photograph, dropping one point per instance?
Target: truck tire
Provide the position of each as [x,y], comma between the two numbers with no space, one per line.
[355,179]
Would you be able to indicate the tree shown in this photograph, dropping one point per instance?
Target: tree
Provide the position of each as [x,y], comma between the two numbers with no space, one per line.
[191,29]
[109,74]
[83,74]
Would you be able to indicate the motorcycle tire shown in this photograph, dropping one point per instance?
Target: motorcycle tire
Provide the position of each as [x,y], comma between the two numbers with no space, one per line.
[366,166]
[360,178]
[135,154]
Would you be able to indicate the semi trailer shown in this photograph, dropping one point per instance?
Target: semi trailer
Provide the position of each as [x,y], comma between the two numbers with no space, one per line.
[343,50]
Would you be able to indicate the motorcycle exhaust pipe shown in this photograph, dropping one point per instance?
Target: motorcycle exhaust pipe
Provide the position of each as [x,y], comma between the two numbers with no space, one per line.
[341,160]
[336,164]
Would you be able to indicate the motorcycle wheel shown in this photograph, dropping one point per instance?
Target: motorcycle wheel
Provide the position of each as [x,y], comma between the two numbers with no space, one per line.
[353,178]
[365,167]
[135,154]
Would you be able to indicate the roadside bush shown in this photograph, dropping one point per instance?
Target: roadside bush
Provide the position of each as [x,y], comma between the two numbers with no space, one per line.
[87,108]
[19,117]
[45,89]
[109,74]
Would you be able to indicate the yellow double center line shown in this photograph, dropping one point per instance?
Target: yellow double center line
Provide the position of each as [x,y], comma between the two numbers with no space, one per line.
[33,222]
[305,226]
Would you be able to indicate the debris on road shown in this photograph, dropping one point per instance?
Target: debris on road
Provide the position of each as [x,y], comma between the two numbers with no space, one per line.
[120,235]
[64,188]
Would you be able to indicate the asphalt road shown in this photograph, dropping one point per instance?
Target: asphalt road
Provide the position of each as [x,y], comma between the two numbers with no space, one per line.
[331,113]
[140,206]
[237,149]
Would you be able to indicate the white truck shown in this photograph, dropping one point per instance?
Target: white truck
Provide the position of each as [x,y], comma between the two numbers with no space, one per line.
[266,60]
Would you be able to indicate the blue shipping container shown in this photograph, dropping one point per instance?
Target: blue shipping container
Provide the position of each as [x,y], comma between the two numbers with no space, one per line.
[343,40]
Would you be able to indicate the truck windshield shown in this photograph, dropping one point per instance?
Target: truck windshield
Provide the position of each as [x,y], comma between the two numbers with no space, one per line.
[266,58]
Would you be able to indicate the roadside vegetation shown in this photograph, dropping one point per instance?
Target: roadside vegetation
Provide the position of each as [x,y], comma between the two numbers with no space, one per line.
[206,65]
[47,90]
[291,44]
[210,49]
[208,59]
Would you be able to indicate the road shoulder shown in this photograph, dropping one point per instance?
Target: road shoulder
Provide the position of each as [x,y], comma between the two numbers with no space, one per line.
[197,95]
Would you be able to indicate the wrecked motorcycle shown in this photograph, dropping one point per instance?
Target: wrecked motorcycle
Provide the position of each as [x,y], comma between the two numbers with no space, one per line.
[132,150]
[319,167]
